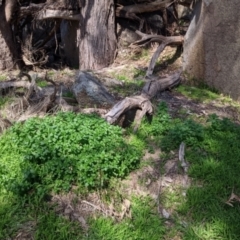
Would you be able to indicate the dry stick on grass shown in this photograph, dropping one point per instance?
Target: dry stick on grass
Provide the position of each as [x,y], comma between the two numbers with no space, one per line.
[181,155]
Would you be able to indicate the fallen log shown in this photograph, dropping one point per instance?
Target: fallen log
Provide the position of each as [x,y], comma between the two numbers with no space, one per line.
[142,102]
[130,11]
[142,7]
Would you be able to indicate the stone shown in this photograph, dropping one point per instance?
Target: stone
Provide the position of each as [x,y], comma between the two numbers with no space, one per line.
[212,45]
[184,12]
[126,32]
[90,92]
[155,22]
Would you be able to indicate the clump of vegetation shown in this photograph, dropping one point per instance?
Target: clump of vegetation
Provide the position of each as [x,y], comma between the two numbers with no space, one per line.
[56,152]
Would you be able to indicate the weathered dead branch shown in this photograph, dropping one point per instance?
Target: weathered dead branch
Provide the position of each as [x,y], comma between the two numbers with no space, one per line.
[31,9]
[62,14]
[157,85]
[147,38]
[42,12]
[34,103]
[14,84]
[131,11]
[122,11]
[142,101]
[128,103]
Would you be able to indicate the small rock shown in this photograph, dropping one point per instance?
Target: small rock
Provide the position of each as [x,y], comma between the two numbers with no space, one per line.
[165,213]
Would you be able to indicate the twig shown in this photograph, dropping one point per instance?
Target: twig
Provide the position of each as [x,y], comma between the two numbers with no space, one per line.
[181,155]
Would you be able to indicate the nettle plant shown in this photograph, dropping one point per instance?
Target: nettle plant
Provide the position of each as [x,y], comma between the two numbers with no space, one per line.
[59,151]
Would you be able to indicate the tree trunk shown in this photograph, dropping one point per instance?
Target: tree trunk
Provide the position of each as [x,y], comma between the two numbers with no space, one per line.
[8,49]
[97,43]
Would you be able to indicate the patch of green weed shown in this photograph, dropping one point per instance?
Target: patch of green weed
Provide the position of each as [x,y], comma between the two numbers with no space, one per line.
[139,73]
[3,78]
[186,131]
[202,94]
[4,100]
[52,226]
[129,87]
[159,124]
[144,54]
[41,83]
[55,152]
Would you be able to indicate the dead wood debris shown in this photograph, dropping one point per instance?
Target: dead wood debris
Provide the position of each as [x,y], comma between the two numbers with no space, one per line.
[233,199]
[182,160]
[142,102]
[164,41]
[33,103]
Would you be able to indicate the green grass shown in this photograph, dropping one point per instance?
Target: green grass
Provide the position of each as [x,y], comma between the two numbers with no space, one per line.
[144,54]
[4,100]
[213,151]
[35,218]
[3,78]
[68,94]
[202,94]
[144,224]
[215,164]
[41,83]
[129,87]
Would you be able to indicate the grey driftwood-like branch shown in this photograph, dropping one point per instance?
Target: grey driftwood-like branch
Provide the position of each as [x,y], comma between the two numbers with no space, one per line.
[143,101]
[131,11]
[164,41]
[122,11]
[41,12]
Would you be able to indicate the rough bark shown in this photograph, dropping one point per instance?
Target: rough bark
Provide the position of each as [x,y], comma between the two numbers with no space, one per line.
[9,55]
[97,43]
